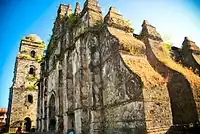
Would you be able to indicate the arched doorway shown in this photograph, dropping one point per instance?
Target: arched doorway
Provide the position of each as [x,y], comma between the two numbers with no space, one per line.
[52,118]
[27,124]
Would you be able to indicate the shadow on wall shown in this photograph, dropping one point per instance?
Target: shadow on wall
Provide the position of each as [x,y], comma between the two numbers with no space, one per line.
[182,100]
[180,92]
[126,130]
[52,122]
[184,129]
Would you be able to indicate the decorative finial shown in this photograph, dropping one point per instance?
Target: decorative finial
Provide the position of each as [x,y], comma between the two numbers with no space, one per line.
[149,31]
[145,22]
[93,11]
[113,9]
[187,38]
[93,5]
[69,10]
[62,9]
[116,20]
[78,8]
[189,44]
[92,1]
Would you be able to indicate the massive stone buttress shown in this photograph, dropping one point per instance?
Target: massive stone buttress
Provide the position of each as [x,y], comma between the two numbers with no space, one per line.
[188,55]
[99,78]
[182,82]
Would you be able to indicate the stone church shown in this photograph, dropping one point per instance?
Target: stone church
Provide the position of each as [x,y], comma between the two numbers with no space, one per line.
[22,107]
[100,78]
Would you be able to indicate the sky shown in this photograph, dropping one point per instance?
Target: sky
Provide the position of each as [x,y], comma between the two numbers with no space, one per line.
[173,19]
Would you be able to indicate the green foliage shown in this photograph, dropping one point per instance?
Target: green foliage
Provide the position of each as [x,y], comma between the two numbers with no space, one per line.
[24,56]
[32,77]
[40,59]
[61,17]
[85,28]
[73,21]
[26,51]
[130,29]
[128,22]
[168,46]
[54,40]
[30,86]
[100,22]
[42,46]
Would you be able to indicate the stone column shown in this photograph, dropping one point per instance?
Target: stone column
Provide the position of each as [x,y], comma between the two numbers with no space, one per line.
[47,120]
[57,123]
[42,127]
[65,123]
[78,124]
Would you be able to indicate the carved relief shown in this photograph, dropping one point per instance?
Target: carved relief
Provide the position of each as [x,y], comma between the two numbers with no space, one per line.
[133,89]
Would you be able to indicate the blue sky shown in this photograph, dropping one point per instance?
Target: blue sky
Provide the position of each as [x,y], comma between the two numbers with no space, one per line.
[174,19]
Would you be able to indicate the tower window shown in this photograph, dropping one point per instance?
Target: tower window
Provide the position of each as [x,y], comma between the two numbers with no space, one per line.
[30,99]
[32,71]
[33,54]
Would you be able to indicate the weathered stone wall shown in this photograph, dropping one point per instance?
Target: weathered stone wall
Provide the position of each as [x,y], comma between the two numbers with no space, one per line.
[182,93]
[188,55]
[122,90]
[21,109]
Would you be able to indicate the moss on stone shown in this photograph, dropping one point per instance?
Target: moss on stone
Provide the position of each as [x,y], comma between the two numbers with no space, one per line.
[25,56]
[32,77]
[31,86]
[40,59]
[73,21]
[42,46]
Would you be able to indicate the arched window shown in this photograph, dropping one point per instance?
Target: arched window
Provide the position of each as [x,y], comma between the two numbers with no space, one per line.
[30,98]
[32,70]
[33,54]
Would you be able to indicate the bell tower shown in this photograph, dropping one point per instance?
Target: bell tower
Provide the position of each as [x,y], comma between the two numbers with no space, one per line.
[22,107]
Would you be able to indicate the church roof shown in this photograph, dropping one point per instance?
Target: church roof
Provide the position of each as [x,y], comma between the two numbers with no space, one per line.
[3,110]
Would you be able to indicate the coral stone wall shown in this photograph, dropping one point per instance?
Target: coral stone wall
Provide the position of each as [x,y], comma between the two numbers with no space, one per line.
[102,79]
[24,92]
